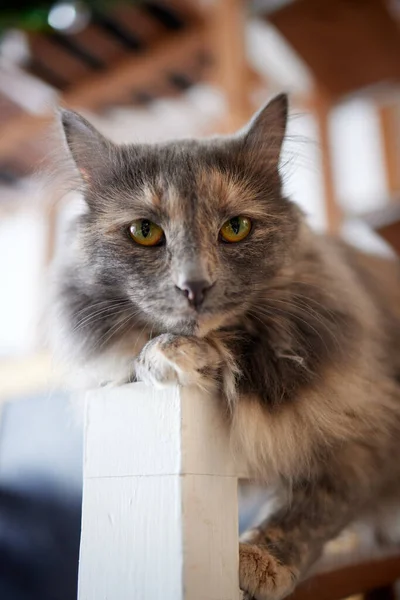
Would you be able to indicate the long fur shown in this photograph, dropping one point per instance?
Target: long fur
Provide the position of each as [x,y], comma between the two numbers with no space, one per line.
[300,333]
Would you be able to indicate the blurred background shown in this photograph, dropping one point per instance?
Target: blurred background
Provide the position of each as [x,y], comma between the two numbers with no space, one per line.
[144,71]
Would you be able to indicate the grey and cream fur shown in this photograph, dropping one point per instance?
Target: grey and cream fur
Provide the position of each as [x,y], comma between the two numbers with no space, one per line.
[299,332]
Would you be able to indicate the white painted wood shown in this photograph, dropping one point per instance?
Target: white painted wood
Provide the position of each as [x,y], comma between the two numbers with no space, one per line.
[160,517]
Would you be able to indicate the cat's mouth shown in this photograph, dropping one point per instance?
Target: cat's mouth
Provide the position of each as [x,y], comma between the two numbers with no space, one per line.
[190,321]
[199,321]
[204,322]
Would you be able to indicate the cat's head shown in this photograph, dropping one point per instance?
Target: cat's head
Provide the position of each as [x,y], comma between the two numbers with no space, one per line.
[190,231]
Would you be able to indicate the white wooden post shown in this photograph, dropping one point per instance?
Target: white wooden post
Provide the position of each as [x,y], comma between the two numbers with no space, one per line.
[160,518]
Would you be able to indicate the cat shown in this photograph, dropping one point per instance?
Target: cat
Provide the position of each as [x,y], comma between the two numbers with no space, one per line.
[190,266]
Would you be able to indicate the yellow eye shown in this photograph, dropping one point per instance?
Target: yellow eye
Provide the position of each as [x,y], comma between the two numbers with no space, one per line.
[145,232]
[235,229]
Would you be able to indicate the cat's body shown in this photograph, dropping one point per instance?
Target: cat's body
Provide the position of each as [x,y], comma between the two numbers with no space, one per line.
[300,333]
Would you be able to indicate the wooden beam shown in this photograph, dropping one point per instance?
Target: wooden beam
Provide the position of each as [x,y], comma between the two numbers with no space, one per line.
[227,21]
[99,89]
[321,109]
[389,116]
[160,515]
[56,59]
[99,44]
[135,71]
[346,581]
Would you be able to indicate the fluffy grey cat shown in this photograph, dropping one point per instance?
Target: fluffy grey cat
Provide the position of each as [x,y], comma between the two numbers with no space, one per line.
[189,266]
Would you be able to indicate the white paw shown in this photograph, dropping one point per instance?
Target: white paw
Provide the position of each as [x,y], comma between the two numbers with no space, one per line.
[170,359]
[152,366]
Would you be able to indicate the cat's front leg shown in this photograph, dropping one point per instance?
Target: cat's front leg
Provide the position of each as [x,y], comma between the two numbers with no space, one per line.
[185,360]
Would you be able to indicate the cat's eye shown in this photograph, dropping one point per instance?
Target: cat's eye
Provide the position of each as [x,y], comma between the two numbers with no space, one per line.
[236,229]
[146,233]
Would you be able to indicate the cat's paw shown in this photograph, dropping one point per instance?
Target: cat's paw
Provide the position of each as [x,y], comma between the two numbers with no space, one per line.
[262,576]
[169,359]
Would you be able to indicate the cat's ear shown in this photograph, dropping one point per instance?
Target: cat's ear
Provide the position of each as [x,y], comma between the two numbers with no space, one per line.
[266,131]
[89,149]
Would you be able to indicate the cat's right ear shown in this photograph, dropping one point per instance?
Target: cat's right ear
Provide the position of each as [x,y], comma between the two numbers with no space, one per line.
[89,149]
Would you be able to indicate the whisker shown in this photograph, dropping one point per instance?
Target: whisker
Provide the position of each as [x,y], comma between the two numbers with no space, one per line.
[94,317]
[113,331]
[91,308]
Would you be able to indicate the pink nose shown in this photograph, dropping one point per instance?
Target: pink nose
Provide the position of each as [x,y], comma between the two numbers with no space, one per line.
[195,291]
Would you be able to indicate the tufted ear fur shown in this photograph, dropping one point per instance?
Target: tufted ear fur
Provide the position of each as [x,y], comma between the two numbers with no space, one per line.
[90,151]
[266,131]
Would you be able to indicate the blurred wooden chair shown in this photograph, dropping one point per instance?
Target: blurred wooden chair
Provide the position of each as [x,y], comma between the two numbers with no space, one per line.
[351,47]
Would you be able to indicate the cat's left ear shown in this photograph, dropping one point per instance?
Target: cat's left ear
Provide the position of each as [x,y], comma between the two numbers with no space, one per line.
[266,131]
